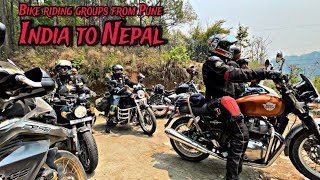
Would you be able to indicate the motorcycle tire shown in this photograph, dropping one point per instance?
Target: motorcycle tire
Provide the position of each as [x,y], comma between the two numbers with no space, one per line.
[195,158]
[149,113]
[295,155]
[69,166]
[89,157]
[156,100]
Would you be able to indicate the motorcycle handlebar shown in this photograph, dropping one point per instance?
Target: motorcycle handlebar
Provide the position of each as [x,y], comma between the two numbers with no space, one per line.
[27,81]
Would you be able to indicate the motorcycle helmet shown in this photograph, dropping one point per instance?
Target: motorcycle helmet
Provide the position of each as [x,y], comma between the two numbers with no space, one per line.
[219,45]
[2,33]
[243,61]
[62,67]
[159,89]
[192,70]
[235,50]
[117,70]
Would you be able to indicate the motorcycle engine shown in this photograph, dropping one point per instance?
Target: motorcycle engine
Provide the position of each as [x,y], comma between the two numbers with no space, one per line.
[258,141]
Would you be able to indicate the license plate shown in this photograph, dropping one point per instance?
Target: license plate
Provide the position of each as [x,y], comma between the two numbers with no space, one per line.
[77,121]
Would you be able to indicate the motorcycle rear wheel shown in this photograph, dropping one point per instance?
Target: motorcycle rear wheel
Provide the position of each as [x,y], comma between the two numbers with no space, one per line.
[69,166]
[304,152]
[157,100]
[186,152]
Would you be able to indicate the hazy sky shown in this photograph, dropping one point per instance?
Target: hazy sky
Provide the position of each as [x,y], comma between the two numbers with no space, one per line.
[291,25]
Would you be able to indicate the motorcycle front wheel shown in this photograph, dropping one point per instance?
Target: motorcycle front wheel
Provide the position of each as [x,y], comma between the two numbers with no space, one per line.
[304,153]
[148,124]
[186,152]
[89,156]
[69,166]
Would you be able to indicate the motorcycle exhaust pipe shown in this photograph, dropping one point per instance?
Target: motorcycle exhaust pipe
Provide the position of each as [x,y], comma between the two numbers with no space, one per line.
[172,134]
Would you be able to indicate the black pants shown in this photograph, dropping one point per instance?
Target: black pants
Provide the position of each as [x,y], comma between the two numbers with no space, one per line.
[238,139]
[236,131]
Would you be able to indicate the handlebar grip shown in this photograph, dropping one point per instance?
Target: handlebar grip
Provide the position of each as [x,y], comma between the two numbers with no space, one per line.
[27,81]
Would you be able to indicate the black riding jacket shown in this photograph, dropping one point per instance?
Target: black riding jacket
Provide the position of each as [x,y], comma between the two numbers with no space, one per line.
[121,82]
[219,77]
[238,87]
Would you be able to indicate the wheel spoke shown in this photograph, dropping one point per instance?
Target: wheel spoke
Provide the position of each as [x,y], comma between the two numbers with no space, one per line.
[66,166]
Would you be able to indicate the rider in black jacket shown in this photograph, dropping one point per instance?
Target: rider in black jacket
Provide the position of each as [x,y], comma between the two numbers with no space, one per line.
[218,78]
[116,86]
[68,84]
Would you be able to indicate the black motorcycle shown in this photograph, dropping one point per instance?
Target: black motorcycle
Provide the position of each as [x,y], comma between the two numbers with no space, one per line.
[25,144]
[133,108]
[162,99]
[76,113]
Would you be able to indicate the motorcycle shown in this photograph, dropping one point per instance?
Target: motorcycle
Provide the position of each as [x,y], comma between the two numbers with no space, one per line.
[195,132]
[161,99]
[76,113]
[26,145]
[133,108]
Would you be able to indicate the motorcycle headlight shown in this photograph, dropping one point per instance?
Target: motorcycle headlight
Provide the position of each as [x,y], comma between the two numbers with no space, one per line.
[141,94]
[80,112]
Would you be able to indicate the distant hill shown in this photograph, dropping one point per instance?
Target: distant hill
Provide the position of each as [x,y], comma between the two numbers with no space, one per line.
[309,63]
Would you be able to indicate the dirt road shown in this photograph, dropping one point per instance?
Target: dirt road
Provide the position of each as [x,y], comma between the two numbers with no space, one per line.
[127,153]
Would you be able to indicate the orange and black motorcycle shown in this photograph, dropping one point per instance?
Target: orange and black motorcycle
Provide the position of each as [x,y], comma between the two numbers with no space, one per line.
[195,132]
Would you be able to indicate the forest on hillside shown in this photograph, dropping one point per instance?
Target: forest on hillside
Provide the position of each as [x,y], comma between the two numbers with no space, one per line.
[163,64]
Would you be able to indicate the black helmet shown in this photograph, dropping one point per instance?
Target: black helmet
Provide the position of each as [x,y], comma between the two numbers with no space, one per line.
[243,61]
[2,33]
[117,69]
[219,45]
[235,50]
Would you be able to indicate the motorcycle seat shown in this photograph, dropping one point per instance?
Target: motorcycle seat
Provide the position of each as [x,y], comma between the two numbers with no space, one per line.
[201,110]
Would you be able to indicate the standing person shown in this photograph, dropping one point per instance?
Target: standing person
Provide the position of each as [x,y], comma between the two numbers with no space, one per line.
[234,61]
[218,78]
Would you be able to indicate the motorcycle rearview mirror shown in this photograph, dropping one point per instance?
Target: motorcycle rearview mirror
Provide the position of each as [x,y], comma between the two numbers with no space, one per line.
[175,83]
[266,63]
[141,78]
[279,56]
[2,33]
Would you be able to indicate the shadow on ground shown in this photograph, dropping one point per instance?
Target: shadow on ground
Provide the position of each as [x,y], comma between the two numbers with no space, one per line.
[210,168]
[120,130]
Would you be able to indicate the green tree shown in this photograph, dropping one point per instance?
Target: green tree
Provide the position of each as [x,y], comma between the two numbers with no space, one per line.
[242,36]
[197,43]
[178,53]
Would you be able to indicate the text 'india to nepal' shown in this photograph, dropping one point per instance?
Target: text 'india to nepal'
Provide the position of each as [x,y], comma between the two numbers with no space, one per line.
[88,11]
[115,33]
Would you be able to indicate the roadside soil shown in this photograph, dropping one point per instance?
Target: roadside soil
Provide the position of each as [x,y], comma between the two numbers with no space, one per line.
[127,153]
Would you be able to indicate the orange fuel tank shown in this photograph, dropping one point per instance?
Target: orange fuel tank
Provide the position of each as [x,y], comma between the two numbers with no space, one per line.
[261,105]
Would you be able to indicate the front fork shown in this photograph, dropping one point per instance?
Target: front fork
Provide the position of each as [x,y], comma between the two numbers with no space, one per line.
[76,140]
[310,124]
[304,116]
